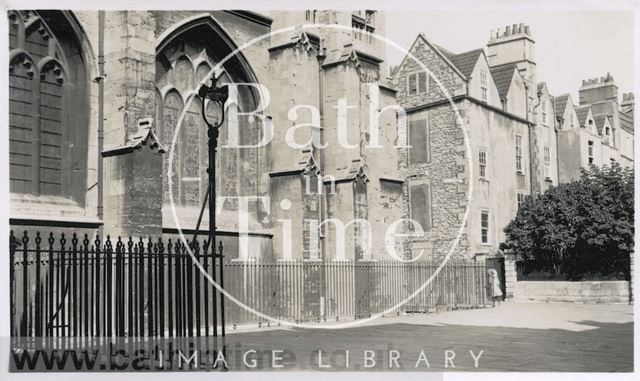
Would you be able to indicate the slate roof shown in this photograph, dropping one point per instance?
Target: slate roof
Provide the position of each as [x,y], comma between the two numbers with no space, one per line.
[502,77]
[626,122]
[446,52]
[560,103]
[600,119]
[582,112]
[465,62]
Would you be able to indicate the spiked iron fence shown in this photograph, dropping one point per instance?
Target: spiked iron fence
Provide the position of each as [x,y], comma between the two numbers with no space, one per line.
[135,288]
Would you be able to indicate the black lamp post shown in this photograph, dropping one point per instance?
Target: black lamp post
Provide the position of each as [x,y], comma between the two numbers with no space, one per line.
[217,95]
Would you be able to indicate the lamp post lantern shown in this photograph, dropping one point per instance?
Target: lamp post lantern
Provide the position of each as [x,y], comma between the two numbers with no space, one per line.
[217,96]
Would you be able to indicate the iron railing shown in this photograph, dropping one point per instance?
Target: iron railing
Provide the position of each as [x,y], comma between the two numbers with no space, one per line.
[149,288]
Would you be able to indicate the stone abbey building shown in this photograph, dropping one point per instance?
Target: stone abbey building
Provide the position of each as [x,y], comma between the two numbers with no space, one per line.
[100,101]
[96,99]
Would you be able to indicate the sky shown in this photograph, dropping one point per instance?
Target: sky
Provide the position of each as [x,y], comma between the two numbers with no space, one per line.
[570,45]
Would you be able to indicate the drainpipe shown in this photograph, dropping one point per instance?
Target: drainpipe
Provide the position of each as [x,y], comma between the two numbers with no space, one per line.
[321,56]
[100,112]
[556,130]
[529,127]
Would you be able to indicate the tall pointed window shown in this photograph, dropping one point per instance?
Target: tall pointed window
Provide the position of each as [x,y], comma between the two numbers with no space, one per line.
[48,106]
[182,64]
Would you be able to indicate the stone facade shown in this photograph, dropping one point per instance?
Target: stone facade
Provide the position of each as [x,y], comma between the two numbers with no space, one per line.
[485,135]
[327,86]
[603,130]
[147,65]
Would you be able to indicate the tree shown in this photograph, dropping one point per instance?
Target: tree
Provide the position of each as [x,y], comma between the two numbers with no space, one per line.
[581,229]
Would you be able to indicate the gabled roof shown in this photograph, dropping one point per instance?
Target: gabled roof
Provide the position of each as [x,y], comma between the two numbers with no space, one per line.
[502,77]
[307,40]
[357,169]
[145,136]
[306,163]
[560,104]
[582,112]
[465,62]
[626,122]
[443,53]
[600,120]
[446,52]
[350,54]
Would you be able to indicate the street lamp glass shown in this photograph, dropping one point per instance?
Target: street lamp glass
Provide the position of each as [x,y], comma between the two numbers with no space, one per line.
[214,111]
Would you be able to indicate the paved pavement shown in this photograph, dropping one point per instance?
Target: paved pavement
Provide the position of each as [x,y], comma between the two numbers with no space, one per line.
[512,337]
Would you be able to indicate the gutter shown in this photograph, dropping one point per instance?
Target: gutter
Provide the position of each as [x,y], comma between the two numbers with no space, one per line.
[100,112]
[458,98]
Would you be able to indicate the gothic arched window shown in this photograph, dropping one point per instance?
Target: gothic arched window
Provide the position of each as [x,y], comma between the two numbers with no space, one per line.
[182,63]
[48,106]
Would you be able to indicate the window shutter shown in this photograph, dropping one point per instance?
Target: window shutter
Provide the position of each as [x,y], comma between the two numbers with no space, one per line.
[419,142]
[420,198]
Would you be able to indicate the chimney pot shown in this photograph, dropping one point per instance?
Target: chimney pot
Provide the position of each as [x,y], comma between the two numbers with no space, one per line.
[527,30]
[507,31]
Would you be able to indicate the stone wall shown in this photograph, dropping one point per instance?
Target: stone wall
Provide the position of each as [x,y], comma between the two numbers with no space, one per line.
[579,292]
[510,275]
[446,171]
[133,192]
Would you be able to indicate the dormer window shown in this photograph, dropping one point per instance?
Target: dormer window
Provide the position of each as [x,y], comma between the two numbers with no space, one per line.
[572,120]
[607,131]
[544,112]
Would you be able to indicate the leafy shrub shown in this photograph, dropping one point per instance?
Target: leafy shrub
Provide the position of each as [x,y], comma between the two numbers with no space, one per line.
[579,229]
